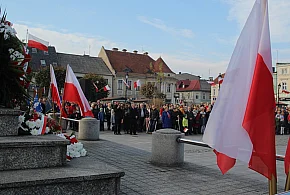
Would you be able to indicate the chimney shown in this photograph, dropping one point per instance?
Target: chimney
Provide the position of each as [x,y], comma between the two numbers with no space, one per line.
[135,51]
[146,53]
[124,50]
[210,79]
[115,49]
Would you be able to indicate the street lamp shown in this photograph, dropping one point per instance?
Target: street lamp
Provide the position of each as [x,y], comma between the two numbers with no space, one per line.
[279,86]
[127,75]
[219,80]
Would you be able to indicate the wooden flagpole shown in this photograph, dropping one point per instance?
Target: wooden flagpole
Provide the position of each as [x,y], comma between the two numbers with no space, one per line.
[272,186]
[287,184]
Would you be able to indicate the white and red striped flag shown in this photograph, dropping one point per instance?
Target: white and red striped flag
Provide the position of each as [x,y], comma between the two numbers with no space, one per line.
[220,80]
[97,89]
[127,85]
[38,43]
[53,88]
[74,93]
[137,84]
[245,131]
[107,88]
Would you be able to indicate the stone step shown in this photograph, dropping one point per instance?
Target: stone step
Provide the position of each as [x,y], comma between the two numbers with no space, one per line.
[9,121]
[79,177]
[29,152]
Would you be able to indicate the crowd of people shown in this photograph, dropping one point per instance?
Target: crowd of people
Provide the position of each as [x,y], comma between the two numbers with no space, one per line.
[133,118]
[282,120]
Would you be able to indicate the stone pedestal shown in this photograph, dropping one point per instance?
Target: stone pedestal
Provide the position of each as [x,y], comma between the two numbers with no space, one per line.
[89,129]
[165,149]
[9,121]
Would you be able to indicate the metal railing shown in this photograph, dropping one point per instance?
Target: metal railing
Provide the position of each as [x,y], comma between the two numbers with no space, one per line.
[202,144]
[70,119]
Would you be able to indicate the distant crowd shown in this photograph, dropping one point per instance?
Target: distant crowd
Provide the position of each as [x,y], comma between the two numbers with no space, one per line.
[133,118]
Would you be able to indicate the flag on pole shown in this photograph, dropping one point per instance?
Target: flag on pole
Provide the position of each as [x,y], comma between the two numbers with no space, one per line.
[287,158]
[38,43]
[41,130]
[220,80]
[245,131]
[285,91]
[107,88]
[137,84]
[97,89]
[36,104]
[73,93]
[211,83]
[127,85]
[53,88]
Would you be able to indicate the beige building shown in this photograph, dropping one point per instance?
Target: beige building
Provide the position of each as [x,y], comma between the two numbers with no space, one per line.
[215,86]
[283,82]
[137,67]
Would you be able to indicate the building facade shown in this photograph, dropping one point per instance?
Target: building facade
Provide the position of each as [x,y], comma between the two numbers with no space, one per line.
[282,82]
[192,92]
[137,67]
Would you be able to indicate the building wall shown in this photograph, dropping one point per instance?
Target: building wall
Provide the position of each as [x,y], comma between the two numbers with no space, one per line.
[283,78]
[194,97]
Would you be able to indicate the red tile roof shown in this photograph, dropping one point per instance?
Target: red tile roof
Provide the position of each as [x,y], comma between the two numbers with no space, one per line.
[189,85]
[135,63]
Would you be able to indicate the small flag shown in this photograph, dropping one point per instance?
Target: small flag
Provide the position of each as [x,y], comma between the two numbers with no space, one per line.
[211,83]
[107,88]
[36,104]
[220,80]
[285,91]
[97,90]
[54,89]
[126,83]
[38,43]
[41,130]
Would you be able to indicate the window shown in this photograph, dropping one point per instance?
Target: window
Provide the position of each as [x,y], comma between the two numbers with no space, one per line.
[284,71]
[120,84]
[54,63]
[106,81]
[284,86]
[45,52]
[168,89]
[203,96]
[33,50]
[213,91]
[42,62]
[130,85]
[196,97]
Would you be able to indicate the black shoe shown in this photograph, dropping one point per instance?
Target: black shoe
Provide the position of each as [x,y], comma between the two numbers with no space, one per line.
[135,134]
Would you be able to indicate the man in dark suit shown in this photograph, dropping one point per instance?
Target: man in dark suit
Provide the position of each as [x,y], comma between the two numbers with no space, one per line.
[134,116]
[142,111]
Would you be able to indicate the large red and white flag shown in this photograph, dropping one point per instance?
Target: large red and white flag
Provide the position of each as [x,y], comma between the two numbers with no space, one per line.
[287,158]
[38,43]
[53,88]
[74,93]
[245,130]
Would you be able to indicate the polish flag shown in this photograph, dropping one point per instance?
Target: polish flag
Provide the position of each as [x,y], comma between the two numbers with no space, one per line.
[220,80]
[97,89]
[137,84]
[287,158]
[37,43]
[53,88]
[107,88]
[126,83]
[211,83]
[245,130]
[41,130]
[285,91]
[73,93]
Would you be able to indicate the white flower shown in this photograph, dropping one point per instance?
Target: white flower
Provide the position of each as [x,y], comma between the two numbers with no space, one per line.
[27,123]
[38,123]
[77,154]
[31,124]
[47,130]
[34,132]
[78,146]
[83,152]
[11,50]
[21,119]
[73,136]
[6,36]
[2,29]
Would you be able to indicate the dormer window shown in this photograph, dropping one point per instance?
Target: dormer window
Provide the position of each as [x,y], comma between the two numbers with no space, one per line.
[33,50]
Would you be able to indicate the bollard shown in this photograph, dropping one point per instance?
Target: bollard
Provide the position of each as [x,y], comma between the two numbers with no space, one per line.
[165,149]
[89,129]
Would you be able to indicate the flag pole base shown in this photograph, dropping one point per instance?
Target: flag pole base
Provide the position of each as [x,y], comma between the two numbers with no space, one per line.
[272,186]
[287,185]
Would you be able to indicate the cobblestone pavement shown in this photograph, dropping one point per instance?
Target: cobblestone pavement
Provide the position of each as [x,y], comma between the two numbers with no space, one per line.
[198,175]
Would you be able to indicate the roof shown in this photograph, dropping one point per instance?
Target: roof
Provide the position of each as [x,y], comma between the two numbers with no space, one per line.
[84,63]
[192,85]
[49,58]
[135,63]
[183,76]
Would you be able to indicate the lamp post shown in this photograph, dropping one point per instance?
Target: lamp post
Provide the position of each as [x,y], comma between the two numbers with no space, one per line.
[219,79]
[279,86]
[126,90]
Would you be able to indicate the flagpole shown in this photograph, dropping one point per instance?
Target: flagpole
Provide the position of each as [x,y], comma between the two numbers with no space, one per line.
[26,37]
[272,186]
[287,184]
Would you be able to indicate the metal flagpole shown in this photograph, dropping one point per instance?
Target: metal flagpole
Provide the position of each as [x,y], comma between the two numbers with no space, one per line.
[272,186]
[26,37]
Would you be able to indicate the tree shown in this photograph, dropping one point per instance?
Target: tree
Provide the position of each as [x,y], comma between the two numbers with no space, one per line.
[42,78]
[148,90]
[100,82]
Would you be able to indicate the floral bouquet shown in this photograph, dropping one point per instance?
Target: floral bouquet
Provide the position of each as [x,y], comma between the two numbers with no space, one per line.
[37,123]
[75,149]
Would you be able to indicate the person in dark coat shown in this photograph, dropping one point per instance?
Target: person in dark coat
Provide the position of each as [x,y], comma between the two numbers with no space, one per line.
[108,110]
[166,118]
[119,115]
[101,117]
[127,115]
[154,117]
[134,116]
[142,113]
[190,117]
